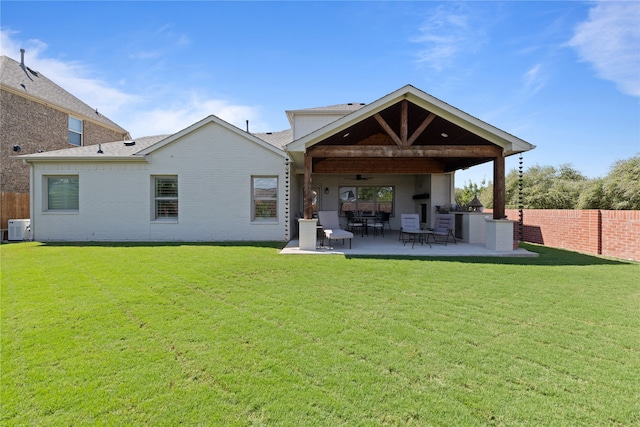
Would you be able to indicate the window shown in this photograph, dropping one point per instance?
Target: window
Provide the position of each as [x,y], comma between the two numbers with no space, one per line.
[62,193]
[264,198]
[165,196]
[367,199]
[75,131]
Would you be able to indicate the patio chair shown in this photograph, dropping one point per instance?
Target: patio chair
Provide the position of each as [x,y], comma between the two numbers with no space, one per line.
[353,224]
[386,218]
[331,227]
[377,224]
[408,222]
[410,226]
[443,227]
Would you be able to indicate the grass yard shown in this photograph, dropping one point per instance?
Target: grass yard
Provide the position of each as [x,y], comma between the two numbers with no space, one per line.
[240,335]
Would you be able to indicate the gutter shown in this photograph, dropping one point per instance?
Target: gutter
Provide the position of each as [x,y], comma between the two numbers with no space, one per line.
[84,159]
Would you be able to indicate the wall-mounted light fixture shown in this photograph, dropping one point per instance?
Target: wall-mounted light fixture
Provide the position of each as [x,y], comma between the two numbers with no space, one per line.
[16,148]
[326,190]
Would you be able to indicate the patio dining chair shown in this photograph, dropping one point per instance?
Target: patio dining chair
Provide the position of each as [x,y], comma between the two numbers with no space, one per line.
[354,225]
[377,225]
[386,218]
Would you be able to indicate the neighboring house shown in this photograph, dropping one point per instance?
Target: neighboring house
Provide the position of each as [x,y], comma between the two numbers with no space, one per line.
[215,182]
[38,115]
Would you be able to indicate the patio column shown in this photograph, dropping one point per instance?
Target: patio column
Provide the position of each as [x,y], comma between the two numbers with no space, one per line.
[307,227]
[308,197]
[498,187]
[499,230]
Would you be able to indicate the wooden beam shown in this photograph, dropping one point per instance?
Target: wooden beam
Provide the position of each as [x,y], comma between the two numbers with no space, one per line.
[498,187]
[387,129]
[404,122]
[412,151]
[407,165]
[308,197]
[421,128]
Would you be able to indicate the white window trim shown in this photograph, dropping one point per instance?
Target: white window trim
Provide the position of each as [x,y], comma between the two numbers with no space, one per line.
[356,187]
[81,133]
[45,195]
[269,221]
[163,220]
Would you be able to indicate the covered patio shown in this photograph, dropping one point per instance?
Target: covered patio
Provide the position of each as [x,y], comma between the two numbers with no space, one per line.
[406,134]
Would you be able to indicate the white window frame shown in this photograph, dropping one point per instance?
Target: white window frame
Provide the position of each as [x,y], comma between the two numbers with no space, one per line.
[357,203]
[46,202]
[75,131]
[256,198]
[155,198]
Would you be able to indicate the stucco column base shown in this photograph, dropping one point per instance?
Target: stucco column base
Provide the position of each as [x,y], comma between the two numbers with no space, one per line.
[499,235]
[307,234]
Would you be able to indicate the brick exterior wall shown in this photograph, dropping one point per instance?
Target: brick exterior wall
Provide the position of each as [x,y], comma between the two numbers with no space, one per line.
[33,126]
[96,134]
[610,233]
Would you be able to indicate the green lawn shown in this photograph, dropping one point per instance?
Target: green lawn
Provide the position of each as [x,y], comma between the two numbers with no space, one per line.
[240,335]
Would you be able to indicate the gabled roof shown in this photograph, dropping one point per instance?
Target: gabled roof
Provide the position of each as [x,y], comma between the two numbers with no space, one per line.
[508,142]
[23,81]
[138,149]
[110,151]
[216,120]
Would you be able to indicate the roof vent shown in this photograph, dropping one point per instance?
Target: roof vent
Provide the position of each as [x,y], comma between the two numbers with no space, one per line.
[130,143]
[22,58]
[100,149]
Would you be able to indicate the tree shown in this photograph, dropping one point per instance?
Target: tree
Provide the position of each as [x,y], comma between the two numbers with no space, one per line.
[465,195]
[545,187]
[594,196]
[622,185]
[548,187]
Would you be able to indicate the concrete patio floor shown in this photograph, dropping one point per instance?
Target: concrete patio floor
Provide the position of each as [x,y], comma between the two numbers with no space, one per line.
[390,245]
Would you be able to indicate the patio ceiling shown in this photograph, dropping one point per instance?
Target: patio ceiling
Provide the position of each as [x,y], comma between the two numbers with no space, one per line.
[402,138]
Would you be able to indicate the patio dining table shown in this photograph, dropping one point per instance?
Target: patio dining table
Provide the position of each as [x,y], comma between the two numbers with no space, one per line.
[365,221]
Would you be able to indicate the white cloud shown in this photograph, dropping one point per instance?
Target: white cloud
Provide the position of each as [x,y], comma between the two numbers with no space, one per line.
[153,112]
[610,41]
[73,76]
[534,79]
[175,117]
[445,35]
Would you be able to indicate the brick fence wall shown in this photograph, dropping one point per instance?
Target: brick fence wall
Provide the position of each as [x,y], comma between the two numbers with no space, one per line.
[609,233]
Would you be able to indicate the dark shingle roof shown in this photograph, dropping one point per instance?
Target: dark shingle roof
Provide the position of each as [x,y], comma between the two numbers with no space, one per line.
[109,149]
[32,83]
[277,139]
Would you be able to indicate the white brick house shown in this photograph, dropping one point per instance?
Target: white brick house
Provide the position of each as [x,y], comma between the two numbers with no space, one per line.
[215,182]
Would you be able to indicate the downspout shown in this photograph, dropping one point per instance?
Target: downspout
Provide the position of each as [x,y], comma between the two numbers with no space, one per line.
[31,200]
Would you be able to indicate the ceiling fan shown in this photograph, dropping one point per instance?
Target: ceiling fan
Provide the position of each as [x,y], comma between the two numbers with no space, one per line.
[360,178]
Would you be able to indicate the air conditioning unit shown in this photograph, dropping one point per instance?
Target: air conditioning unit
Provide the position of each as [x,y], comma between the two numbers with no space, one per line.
[19,229]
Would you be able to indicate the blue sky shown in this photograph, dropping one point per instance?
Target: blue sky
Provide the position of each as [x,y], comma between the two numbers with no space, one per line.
[564,76]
